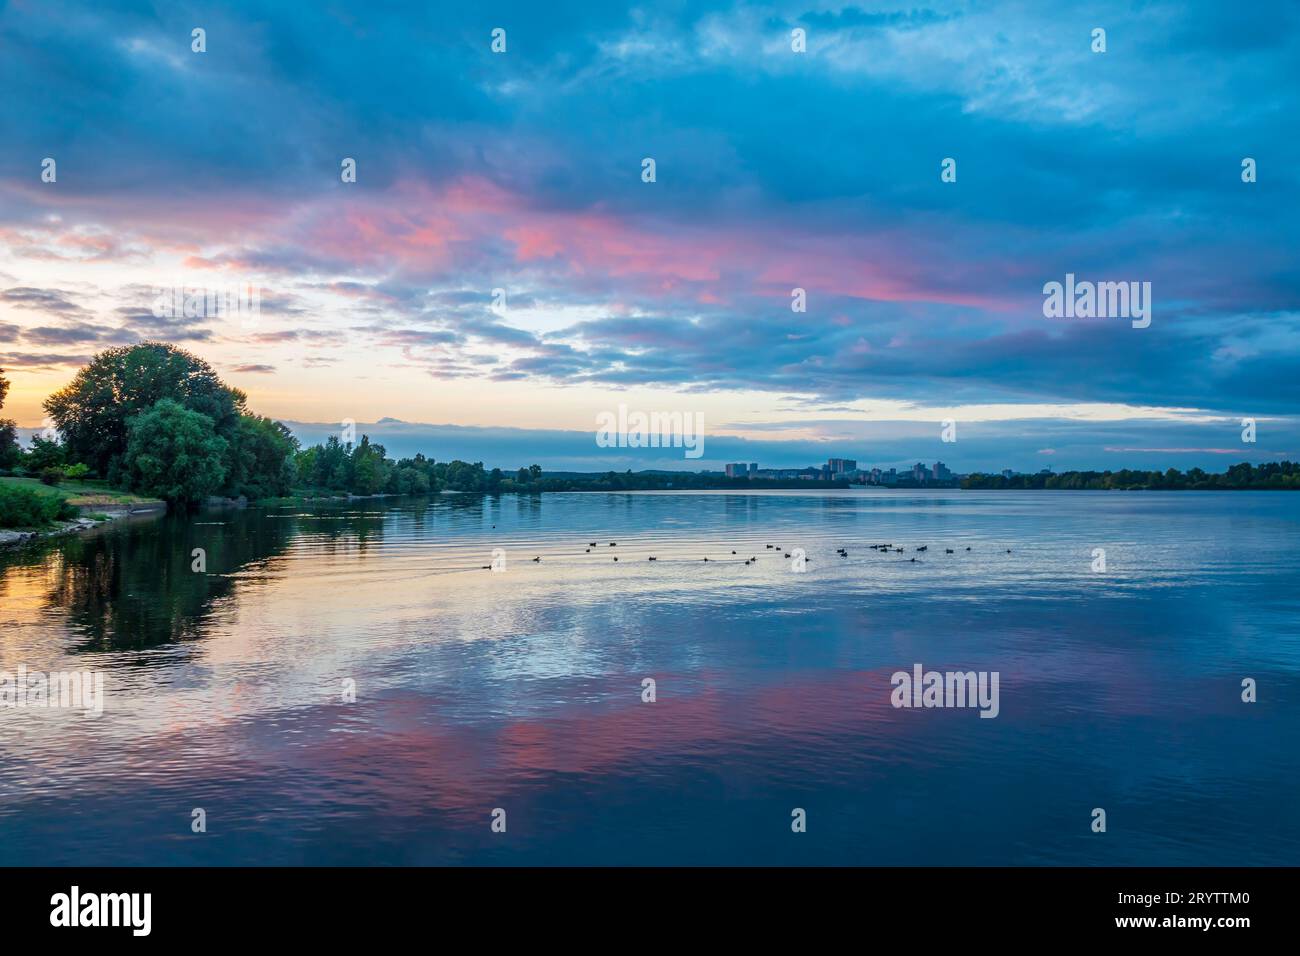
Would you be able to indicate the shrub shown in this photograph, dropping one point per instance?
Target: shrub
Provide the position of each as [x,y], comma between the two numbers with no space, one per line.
[26,508]
[76,472]
[51,476]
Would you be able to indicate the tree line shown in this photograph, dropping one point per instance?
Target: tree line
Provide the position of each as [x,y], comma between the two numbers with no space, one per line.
[1279,476]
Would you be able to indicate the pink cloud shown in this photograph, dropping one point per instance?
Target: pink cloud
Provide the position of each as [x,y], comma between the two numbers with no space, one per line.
[449,230]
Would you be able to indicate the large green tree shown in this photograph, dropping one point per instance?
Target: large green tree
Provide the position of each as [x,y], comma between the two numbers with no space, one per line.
[174,453]
[92,412]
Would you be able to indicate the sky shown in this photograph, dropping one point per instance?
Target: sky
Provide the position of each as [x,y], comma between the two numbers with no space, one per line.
[524,171]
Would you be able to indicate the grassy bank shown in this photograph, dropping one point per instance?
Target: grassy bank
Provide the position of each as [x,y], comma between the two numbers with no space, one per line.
[27,505]
[80,494]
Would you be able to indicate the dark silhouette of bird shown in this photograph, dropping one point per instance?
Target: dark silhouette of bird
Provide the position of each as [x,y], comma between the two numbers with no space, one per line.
[731,552]
[924,547]
[537,558]
[652,558]
[947,550]
[616,557]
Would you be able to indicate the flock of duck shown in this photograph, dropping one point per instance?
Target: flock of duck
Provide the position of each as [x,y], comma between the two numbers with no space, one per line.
[888,548]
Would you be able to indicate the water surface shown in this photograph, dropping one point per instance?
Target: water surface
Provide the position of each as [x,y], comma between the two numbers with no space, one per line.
[522,689]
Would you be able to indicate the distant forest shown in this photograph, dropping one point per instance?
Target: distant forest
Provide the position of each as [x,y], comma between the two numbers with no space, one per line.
[1274,476]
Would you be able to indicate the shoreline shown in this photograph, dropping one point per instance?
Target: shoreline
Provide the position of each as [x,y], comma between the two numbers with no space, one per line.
[12,537]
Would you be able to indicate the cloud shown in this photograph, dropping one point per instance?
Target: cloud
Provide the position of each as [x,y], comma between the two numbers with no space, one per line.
[77,333]
[30,360]
[51,301]
[254,369]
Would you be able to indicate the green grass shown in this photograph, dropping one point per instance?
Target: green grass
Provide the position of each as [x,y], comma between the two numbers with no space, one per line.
[79,493]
